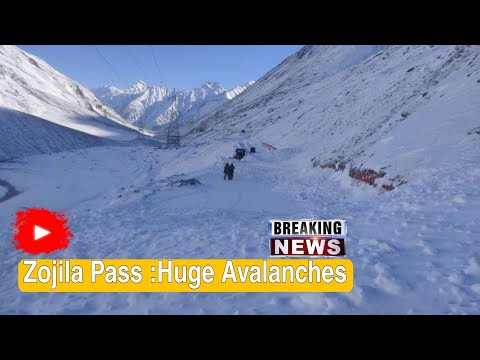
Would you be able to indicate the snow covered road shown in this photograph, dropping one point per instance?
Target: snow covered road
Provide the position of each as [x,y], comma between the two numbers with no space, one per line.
[415,250]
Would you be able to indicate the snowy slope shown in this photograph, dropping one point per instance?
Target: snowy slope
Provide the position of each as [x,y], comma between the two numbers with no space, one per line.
[30,85]
[152,106]
[23,134]
[391,110]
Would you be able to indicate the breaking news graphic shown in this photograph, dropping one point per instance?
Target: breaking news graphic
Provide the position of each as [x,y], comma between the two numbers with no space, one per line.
[307,238]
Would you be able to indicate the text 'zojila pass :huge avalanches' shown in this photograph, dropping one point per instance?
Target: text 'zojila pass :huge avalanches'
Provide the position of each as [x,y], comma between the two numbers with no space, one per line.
[54,273]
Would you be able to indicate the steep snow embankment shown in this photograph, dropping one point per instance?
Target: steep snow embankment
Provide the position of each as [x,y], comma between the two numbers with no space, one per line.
[22,135]
[30,85]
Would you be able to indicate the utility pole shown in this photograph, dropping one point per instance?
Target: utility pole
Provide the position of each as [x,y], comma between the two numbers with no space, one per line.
[173,132]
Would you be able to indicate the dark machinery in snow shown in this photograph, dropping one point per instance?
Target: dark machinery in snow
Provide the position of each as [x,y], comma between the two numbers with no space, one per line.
[239,154]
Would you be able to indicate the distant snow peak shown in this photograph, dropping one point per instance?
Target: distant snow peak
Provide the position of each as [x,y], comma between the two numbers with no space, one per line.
[213,85]
[153,106]
[213,88]
[139,86]
[237,90]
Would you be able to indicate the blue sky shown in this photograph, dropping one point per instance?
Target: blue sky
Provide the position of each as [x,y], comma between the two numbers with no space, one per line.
[179,66]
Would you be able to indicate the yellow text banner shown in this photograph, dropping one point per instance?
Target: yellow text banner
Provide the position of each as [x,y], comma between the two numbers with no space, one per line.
[185,275]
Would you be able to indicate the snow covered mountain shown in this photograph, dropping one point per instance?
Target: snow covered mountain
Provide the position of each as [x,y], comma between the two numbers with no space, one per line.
[30,85]
[381,115]
[152,106]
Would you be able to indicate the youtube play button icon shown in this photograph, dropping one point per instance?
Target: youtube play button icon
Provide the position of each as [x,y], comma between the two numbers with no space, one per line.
[41,231]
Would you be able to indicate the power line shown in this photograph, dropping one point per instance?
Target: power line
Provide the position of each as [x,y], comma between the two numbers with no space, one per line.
[155,60]
[134,60]
[108,63]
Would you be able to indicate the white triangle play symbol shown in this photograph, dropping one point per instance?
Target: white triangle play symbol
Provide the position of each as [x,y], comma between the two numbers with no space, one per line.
[39,232]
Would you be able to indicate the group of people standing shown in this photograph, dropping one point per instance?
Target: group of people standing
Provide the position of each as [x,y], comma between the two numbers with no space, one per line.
[228,171]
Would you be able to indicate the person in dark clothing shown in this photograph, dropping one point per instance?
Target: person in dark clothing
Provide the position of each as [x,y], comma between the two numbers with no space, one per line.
[230,174]
[226,171]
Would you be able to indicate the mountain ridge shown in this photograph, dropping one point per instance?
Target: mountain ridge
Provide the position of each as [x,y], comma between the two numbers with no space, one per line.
[150,107]
[30,85]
